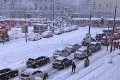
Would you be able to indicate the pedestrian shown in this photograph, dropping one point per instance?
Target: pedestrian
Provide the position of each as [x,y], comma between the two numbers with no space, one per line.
[73,67]
[114,45]
[3,38]
[86,62]
[117,44]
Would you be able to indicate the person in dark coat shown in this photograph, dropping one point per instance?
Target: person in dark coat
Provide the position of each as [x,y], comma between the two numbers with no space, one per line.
[73,67]
[114,45]
[117,44]
[86,62]
[3,38]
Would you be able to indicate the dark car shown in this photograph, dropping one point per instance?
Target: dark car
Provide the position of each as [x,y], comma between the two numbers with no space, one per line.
[84,43]
[32,74]
[7,73]
[105,42]
[107,32]
[61,63]
[95,46]
[81,53]
[72,48]
[99,36]
[40,61]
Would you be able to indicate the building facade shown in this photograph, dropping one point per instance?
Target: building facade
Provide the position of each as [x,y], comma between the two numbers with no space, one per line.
[47,9]
[99,8]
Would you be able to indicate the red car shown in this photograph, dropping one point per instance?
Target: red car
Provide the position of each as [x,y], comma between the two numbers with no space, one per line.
[116,36]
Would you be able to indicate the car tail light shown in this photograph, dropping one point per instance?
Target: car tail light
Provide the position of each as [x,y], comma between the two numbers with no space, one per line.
[27,78]
[80,54]
[33,62]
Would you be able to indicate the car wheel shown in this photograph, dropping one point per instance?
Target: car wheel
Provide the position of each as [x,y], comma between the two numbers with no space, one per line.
[33,39]
[45,76]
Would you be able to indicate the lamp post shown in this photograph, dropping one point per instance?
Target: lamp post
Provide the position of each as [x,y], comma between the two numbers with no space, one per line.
[86,62]
[111,41]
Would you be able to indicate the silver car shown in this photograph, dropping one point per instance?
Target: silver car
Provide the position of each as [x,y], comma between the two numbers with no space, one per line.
[81,53]
[63,53]
[31,74]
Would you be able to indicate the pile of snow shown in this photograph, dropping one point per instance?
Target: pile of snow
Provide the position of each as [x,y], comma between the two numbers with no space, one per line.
[16,32]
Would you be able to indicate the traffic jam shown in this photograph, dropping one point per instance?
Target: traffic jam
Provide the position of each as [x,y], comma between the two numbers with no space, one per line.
[61,59]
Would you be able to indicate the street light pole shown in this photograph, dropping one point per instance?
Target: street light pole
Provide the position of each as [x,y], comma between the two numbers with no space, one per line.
[113,29]
[25,26]
[86,63]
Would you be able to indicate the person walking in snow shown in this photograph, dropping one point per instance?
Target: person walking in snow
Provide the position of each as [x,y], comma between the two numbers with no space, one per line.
[114,45]
[73,67]
[86,62]
[117,44]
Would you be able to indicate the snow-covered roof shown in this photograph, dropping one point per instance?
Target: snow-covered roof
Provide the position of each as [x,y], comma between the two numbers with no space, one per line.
[60,58]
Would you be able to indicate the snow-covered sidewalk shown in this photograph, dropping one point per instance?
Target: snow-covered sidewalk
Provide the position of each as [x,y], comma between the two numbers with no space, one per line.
[101,69]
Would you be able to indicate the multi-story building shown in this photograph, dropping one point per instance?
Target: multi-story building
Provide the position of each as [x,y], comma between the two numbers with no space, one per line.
[99,8]
[34,8]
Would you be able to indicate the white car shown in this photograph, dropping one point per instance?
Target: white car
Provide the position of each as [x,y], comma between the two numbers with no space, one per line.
[47,34]
[33,74]
[57,32]
[81,53]
[35,37]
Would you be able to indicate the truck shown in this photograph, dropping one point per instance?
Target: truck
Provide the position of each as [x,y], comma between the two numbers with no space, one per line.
[4,35]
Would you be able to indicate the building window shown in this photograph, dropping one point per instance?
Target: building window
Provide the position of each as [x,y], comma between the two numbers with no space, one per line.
[35,6]
[12,6]
[99,4]
[40,8]
[106,5]
[110,4]
[94,4]
[51,7]
[13,15]
[45,7]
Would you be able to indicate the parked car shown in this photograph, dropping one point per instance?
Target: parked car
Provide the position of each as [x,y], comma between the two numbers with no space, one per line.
[107,32]
[40,61]
[72,48]
[34,37]
[31,74]
[47,34]
[81,53]
[85,43]
[58,53]
[105,41]
[61,63]
[76,46]
[57,31]
[7,73]
[95,46]
[99,36]
[116,36]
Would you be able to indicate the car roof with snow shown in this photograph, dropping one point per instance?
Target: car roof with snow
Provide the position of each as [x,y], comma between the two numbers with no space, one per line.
[31,70]
[94,42]
[82,48]
[60,58]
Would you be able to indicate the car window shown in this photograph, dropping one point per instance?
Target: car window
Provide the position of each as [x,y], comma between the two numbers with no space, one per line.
[58,61]
[25,75]
[36,72]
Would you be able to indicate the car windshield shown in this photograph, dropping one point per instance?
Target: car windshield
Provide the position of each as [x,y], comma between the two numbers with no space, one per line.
[58,61]
[25,75]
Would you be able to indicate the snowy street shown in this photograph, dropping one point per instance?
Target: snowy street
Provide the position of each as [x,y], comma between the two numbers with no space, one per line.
[15,53]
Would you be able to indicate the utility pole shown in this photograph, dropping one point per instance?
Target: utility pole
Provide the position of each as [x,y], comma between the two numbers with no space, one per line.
[86,62]
[53,13]
[113,29]
[26,29]
[111,41]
